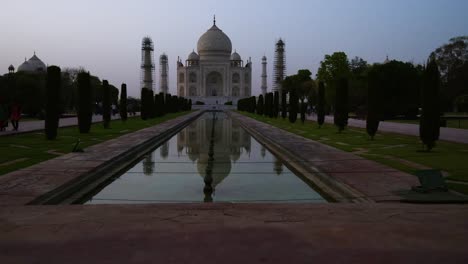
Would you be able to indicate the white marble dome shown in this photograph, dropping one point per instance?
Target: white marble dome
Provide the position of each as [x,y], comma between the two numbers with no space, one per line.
[236,57]
[34,64]
[193,56]
[214,41]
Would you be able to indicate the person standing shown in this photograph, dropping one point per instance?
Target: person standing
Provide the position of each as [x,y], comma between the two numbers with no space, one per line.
[15,115]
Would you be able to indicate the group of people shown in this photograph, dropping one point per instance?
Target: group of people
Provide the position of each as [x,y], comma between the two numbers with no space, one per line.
[9,113]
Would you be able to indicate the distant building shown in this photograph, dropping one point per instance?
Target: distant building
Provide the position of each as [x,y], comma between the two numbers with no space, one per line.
[214,75]
[34,64]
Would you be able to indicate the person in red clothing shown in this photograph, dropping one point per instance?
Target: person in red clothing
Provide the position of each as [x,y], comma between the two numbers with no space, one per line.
[15,115]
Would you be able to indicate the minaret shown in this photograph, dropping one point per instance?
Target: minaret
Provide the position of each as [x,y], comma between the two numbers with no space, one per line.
[164,69]
[147,65]
[280,67]
[264,76]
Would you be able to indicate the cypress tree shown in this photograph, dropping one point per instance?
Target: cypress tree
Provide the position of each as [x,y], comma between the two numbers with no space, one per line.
[303,111]
[429,127]
[271,105]
[123,102]
[293,106]
[106,103]
[85,102]
[260,105]
[174,104]
[53,102]
[374,105]
[341,105]
[321,104]
[167,103]
[253,104]
[190,104]
[284,105]
[151,105]
[144,104]
[276,104]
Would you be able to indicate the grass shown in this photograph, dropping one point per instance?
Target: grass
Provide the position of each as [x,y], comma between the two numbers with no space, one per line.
[461,123]
[23,150]
[395,150]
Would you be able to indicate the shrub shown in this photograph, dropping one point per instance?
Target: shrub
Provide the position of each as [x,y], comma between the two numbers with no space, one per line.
[228,103]
[276,104]
[284,106]
[374,105]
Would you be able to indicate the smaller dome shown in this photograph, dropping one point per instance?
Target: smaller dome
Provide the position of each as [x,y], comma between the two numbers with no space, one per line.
[25,66]
[193,56]
[235,56]
[163,56]
[11,68]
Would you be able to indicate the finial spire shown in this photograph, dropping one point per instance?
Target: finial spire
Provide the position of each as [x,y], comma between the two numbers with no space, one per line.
[214,20]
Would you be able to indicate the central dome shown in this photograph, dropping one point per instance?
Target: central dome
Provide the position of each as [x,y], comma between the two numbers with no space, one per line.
[214,42]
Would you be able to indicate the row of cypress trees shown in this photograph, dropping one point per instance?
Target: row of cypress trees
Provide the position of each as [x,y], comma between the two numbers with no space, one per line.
[248,104]
[429,122]
[85,102]
[160,104]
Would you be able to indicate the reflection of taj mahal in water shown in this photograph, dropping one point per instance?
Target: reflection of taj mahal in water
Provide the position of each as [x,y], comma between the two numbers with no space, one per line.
[230,142]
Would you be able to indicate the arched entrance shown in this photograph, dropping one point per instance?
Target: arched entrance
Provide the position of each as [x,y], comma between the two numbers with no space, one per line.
[214,84]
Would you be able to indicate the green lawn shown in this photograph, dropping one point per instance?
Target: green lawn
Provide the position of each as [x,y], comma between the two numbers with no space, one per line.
[463,124]
[398,151]
[24,150]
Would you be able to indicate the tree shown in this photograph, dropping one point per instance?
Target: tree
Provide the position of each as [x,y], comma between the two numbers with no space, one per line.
[275,104]
[106,104]
[374,105]
[303,111]
[429,127]
[52,102]
[341,105]
[260,105]
[85,102]
[321,104]
[331,70]
[451,56]
[284,105]
[293,106]
[123,102]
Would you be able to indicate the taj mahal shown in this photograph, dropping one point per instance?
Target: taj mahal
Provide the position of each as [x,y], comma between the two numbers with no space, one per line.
[215,74]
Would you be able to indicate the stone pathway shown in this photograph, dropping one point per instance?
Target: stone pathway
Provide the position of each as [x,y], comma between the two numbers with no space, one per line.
[23,186]
[358,177]
[448,134]
[234,233]
[30,126]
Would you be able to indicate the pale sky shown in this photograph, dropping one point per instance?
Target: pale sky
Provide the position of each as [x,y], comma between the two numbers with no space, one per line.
[104,36]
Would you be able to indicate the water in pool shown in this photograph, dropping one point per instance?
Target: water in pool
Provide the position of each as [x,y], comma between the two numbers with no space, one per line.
[212,160]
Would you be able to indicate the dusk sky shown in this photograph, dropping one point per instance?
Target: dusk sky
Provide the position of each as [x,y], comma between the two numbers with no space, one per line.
[105,36]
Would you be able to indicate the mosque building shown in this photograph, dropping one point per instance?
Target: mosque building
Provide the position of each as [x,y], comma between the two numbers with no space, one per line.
[215,74]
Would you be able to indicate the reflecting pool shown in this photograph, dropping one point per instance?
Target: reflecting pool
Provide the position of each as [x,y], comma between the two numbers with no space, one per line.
[213,160]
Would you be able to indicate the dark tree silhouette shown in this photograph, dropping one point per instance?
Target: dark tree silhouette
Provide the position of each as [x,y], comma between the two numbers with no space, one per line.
[52,102]
[106,104]
[429,128]
[123,102]
[341,105]
[321,104]
[260,105]
[374,105]
[293,106]
[284,105]
[85,102]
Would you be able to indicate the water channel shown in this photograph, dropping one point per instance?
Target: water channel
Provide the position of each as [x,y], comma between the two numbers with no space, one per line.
[211,160]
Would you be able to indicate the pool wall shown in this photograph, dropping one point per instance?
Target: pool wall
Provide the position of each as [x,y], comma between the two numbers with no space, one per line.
[143,141]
